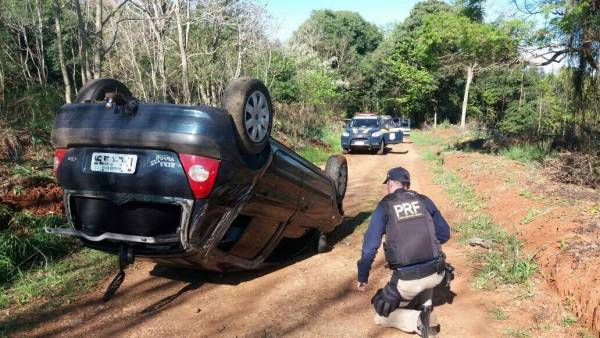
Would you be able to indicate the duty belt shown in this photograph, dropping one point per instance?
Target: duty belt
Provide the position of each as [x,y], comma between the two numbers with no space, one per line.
[418,271]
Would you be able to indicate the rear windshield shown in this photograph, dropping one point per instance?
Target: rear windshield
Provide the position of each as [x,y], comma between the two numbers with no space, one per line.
[370,123]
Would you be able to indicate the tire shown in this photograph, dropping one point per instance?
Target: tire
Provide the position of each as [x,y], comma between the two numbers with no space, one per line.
[345,151]
[381,150]
[96,90]
[337,169]
[248,102]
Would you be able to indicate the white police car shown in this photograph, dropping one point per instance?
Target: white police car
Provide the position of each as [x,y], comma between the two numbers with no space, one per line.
[370,132]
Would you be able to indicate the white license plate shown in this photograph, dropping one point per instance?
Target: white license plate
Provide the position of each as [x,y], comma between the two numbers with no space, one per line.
[359,143]
[114,163]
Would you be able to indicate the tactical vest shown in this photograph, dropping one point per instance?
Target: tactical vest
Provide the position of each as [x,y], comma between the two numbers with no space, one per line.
[409,232]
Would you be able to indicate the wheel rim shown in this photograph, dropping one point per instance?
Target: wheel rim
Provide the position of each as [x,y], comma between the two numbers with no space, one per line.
[257,116]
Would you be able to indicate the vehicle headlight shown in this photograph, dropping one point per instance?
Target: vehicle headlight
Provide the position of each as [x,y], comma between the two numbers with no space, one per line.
[345,134]
[376,134]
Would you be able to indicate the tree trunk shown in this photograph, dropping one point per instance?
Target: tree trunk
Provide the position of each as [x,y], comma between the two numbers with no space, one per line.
[238,67]
[40,28]
[98,41]
[539,127]
[61,54]
[183,55]
[521,91]
[463,116]
[1,87]
[435,117]
[82,45]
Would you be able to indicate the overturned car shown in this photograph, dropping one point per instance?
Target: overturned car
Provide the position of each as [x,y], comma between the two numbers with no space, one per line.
[190,186]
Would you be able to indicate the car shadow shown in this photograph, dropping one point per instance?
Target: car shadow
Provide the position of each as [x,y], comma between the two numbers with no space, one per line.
[196,278]
[347,227]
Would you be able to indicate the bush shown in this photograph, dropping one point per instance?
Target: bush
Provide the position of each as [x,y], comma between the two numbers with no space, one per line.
[525,153]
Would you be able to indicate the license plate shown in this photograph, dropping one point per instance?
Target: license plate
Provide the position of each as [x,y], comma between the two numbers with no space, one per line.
[114,163]
[359,143]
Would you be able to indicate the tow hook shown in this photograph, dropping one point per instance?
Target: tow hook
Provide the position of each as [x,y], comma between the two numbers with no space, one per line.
[126,257]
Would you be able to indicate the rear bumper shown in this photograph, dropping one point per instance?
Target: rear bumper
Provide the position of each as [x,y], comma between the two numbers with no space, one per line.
[147,244]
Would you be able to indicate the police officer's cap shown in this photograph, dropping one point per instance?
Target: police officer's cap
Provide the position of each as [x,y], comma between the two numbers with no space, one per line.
[398,174]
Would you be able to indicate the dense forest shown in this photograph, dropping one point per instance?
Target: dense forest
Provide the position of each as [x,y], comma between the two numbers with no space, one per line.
[443,62]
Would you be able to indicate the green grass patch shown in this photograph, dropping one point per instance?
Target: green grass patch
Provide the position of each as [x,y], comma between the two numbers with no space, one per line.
[319,155]
[422,138]
[525,153]
[532,214]
[504,263]
[462,195]
[498,313]
[25,244]
[516,333]
[568,321]
[55,284]
[316,155]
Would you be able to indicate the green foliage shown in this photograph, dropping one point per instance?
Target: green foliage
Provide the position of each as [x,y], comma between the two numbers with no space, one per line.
[25,244]
[425,139]
[317,88]
[340,34]
[319,154]
[59,282]
[525,153]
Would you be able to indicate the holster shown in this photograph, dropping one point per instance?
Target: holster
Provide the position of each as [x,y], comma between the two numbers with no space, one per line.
[386,300]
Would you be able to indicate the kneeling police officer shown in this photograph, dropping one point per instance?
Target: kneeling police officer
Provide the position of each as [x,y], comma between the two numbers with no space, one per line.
[414,231]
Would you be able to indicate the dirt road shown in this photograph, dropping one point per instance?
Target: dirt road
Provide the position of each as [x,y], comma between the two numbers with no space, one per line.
[314,297]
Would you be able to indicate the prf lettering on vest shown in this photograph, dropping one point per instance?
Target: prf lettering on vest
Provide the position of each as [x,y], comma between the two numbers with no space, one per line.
[406,210]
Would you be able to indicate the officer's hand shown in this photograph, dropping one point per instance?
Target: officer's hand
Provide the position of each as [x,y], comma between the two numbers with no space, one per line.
[362,287]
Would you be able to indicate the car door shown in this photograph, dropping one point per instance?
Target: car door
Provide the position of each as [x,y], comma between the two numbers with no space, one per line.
[392,134]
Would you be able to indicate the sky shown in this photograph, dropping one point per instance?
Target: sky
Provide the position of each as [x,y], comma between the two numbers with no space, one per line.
[288,15]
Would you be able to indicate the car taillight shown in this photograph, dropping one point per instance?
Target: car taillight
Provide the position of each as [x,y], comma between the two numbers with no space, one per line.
[59,154]
[201,173]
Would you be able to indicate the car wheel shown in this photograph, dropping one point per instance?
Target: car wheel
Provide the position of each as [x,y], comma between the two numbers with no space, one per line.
[345,151]
[96,90]
[248,102]
[381,150]
[337,169]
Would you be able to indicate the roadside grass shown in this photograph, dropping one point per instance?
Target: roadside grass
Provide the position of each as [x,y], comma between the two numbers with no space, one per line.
[25,245]
[525,153]
[39,271]
[498,313]
[319,155]
[504,263]
[422,138]
[532,214]
[53,285]
[568,321]
[516,333]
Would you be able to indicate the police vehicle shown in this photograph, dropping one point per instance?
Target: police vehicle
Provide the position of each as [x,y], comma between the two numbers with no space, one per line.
[370,132]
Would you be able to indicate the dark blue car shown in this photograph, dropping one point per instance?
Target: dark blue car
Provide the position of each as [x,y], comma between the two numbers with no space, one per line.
[370,132]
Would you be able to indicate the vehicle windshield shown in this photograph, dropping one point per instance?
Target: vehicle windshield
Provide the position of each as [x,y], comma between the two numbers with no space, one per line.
[369,123]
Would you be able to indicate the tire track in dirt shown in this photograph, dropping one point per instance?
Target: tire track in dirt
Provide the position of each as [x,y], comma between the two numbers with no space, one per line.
[313,297]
